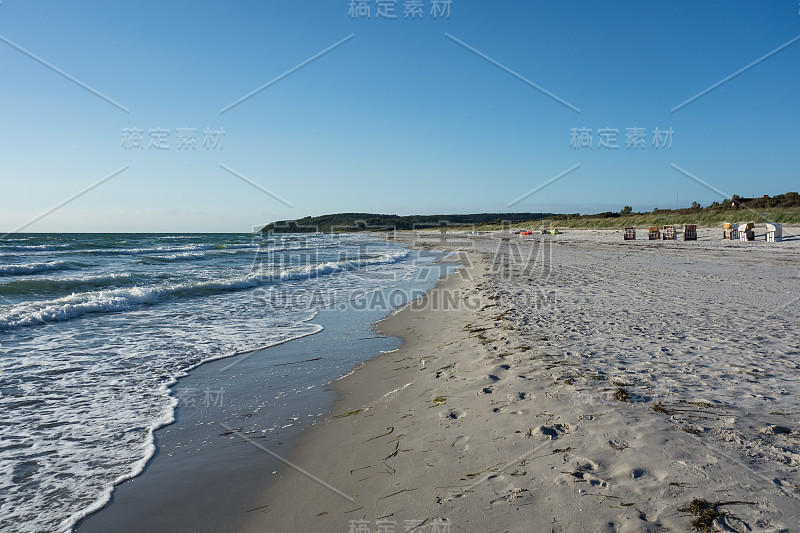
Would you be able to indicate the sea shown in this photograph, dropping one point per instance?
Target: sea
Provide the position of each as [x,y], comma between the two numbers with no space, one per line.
[95,329]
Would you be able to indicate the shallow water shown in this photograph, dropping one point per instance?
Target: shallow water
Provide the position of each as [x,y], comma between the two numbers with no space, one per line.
[95,328]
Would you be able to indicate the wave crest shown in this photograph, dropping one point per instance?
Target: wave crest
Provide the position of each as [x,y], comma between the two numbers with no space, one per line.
[35,268]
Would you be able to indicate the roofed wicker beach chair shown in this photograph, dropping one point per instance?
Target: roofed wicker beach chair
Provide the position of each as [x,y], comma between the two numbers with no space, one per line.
[629,234]
[746,232]
[669,233]
[653,233]
[774,232]
[729,232]
[690,232]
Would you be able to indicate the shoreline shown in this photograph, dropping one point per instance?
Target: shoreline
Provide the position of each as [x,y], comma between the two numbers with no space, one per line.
[514,418]
[75,521]
[173,492]
[363,389]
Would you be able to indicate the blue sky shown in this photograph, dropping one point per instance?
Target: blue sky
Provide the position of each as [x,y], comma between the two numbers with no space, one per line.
[398,119]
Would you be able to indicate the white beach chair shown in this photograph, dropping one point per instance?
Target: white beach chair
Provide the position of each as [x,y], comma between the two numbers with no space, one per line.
[774,232]
[746,232]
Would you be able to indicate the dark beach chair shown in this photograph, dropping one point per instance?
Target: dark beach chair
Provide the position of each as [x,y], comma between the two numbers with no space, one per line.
[629,234]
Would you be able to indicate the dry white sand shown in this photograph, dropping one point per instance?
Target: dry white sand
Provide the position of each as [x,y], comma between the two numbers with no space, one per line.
[570,383]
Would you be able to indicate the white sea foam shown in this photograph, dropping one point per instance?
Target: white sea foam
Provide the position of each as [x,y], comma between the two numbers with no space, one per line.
[168,258]
[81,398]
[49,285]
[110,300]
[331,267]
[87,250]
[166,417]
[123,299]
[35,247]
[33,268]
[164,249]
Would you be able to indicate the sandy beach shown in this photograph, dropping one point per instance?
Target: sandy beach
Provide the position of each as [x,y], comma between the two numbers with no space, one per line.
[568,383]
[369,266]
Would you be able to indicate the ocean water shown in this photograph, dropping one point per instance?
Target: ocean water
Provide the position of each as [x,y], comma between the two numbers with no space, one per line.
[94,329]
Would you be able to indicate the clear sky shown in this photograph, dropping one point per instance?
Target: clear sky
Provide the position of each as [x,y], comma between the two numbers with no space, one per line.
[404,117]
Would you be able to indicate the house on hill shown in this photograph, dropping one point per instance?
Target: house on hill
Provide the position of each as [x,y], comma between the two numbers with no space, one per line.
[737,201]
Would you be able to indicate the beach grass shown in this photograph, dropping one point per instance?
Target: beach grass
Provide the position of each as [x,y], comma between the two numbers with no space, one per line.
[702,217]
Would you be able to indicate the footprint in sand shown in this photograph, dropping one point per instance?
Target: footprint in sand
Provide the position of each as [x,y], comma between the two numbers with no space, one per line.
[637,473]
[551,432]
[452,414]
[507,410]
[512,494]
[692,470]
[641,473]
[519,396]
[583,473]
[498,371]
[460,443]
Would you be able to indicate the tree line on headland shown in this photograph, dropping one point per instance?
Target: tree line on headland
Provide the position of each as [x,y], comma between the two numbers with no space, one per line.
[784,208]
[345,222]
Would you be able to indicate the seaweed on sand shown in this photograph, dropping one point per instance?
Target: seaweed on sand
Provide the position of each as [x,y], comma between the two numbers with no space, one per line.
[621,395]
[351,413]
[705,512]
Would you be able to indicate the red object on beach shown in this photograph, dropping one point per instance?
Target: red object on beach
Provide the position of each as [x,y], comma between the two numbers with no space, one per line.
[526,233]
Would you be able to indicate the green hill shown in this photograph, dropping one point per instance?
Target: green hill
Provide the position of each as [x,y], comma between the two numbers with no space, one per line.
[346,222]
